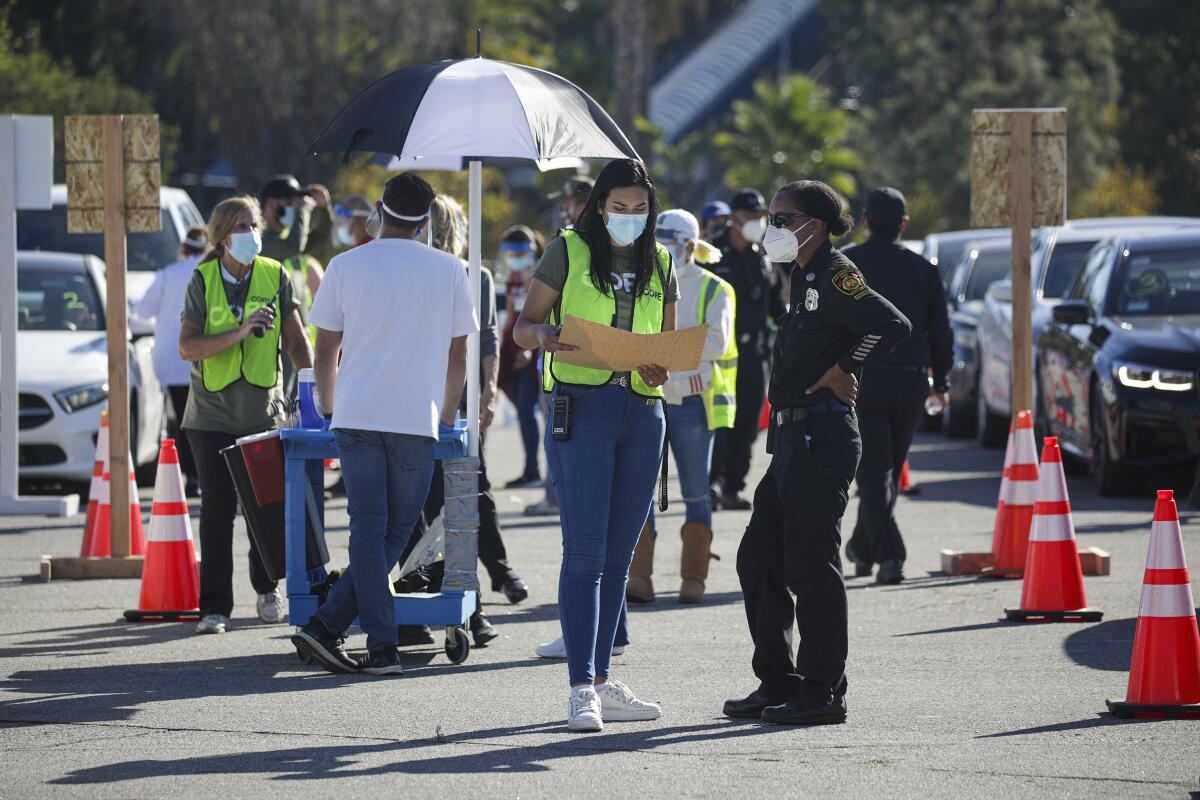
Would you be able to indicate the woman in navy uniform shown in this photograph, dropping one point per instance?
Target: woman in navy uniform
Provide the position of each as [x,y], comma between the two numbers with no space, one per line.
[791,547]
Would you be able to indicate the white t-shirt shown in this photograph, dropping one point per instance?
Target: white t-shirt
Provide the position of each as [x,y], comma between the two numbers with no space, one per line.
[398,303]
[163,303]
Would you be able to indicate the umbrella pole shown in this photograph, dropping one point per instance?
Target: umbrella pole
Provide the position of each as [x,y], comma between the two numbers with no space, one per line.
[475,255]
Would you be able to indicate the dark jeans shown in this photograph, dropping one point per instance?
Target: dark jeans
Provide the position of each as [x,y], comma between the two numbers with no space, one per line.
[792,545]
[889,405]
[218,507]
[179,396]
[523,388]
[387,477]
[732,447]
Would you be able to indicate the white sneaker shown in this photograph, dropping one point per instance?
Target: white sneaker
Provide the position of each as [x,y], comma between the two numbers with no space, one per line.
[583,710]
[270,607]
[212,623]
[619,704]
[558,649]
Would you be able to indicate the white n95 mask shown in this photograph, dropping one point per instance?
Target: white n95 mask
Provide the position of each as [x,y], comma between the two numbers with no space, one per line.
[753,229]
[782,245]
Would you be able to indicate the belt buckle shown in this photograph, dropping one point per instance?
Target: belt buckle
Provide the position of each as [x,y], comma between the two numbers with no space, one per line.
[622,380]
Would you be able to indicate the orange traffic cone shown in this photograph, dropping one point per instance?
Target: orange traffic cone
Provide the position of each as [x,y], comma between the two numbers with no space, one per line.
[1014,517]
[1164,676]
[1053,587]
[99,467]
[170,580]
[98,544]
[906,486]
[1008,456]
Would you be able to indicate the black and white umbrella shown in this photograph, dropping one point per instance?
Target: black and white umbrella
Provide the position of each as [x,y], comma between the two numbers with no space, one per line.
[473,109]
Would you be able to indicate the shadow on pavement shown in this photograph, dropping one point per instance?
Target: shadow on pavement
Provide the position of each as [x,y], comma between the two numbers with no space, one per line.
[934,580]
[416,756]
[1106,645]
[78,640]
[549,611]
[1103,720]
[979,626]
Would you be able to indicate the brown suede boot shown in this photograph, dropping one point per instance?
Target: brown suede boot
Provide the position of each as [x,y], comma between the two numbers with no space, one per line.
[693,565]
[640,589]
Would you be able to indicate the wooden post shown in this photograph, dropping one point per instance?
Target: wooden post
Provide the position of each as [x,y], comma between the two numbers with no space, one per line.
[1021,214]
[118,332]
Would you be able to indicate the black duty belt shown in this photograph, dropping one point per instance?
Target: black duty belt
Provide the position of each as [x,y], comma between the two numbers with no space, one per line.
[786,415]
[901,367]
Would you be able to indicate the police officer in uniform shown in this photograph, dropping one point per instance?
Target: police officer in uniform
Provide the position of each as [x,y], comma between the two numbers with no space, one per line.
[759,297]
[791,546]
[893,391]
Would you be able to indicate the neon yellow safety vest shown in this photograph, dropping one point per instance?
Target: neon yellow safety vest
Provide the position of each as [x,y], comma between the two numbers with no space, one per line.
[297,265]
[253,359]
[582,299]
[720,401]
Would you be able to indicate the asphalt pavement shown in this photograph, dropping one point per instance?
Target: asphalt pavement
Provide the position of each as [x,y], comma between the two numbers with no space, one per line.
[945,699]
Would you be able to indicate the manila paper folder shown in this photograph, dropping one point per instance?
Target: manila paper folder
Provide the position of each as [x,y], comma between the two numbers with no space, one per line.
[605,347]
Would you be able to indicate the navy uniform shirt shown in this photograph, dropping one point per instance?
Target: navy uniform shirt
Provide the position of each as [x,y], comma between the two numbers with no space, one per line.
[756,289]
[912,284]
[835,318]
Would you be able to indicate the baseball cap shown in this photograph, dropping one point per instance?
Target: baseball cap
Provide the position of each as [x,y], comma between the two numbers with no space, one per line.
[747,200]
[578,188]
[886,207]
[713,209]
[280,186]
[677,226]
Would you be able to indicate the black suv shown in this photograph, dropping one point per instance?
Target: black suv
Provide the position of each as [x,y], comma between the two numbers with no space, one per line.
[1118,366]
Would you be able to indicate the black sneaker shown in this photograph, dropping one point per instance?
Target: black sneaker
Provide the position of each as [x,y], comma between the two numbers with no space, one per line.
[526,481]
[324,647]
[514,589]
[384,661]
[862,568]
[411,635]
[735,501]
[482,631]
[802,712]
[890,572]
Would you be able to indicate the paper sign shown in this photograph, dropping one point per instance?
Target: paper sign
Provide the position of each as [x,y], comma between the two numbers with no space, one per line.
[605,347]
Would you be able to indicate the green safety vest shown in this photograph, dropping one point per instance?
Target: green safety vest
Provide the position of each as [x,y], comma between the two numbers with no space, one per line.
[582,299]
[253,359]
[720,401]
[297,265]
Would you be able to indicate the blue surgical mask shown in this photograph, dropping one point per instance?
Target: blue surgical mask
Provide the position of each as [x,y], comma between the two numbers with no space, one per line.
[244,246]
[287,217]
[625,228]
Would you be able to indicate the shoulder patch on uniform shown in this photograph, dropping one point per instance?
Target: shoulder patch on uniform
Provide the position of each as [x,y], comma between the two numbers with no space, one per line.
[849,280]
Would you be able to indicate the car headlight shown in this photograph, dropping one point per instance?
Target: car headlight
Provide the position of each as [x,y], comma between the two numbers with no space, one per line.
[81,397]
[1139,376]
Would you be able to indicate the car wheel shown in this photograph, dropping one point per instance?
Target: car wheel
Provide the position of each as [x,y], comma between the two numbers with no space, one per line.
[991,429]
[1110,478]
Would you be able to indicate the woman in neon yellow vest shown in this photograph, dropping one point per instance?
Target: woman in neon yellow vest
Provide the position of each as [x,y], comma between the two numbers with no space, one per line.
[231,333]
[610,270]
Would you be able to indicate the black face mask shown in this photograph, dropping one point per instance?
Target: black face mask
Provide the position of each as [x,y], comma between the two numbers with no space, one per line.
[716,229]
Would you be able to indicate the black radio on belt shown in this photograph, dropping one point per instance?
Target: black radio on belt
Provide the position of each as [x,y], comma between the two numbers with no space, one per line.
[560,418]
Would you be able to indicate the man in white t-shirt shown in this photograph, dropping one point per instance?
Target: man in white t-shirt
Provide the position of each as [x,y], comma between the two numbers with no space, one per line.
[399,313]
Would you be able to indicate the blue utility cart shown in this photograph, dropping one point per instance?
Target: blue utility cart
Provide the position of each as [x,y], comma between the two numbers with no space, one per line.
[304,452]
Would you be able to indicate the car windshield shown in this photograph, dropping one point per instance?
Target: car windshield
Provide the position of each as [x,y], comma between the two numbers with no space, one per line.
[47,230]
[1066,261]
[990,266]
[948,253]
[1166,282]
[57,301]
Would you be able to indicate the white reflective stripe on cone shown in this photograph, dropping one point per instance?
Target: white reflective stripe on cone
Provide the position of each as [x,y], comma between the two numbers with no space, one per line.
[1166,546]
[105,498]
[1167,600]
[168,486]
[1051,528]
[170,528]
[1021,493]
[1025,451]
[1052,483]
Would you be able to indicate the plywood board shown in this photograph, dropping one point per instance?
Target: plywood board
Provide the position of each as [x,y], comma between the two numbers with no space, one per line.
[83,139]
[991,156]
[608,348]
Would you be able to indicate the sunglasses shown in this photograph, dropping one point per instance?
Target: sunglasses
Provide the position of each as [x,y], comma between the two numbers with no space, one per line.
[786,220]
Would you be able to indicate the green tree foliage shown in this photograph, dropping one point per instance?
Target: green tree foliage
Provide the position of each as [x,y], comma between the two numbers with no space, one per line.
[918,68]
[31,82]
[786,132]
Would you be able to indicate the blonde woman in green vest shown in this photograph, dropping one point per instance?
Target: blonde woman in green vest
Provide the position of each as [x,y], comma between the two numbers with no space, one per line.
[233,334]
[609,270]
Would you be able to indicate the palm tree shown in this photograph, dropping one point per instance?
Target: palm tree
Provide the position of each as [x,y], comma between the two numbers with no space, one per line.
[788,131]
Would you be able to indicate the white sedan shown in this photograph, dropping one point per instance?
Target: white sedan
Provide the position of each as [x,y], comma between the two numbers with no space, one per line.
[62,370]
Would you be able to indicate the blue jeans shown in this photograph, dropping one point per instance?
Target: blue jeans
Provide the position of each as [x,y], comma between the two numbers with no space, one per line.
[523,388]
[605,479]
[387,478]
[692,446]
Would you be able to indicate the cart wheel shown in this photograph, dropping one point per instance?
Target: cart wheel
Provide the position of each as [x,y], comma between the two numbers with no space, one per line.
[304,657]
[458,645]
